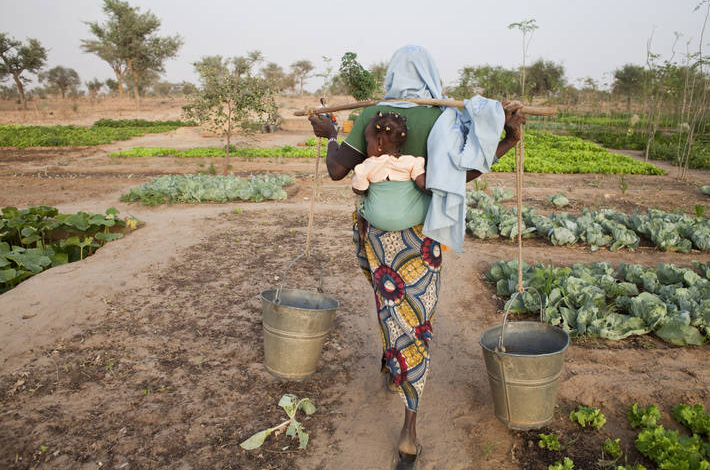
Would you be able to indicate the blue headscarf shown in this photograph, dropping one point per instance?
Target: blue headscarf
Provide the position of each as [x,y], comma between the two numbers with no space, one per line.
[459,141]
[412,74]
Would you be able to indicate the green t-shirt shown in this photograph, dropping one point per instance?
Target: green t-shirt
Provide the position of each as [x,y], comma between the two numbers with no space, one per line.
[420,120]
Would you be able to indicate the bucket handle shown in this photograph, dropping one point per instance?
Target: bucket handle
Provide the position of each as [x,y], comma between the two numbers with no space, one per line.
[277,299]
[501,346]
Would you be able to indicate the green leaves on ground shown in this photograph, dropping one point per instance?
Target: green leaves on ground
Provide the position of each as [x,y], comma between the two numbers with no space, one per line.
[549,153]
[643,417]
[549,441]
[287,151]
[588,415]
[488,218]
[102,132]
[613,448]
[566,464]
[596,300]
[37,238]
[206,188]
[291,404]
[694,418]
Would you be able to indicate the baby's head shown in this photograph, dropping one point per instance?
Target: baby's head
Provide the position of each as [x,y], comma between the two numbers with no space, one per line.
[385,134]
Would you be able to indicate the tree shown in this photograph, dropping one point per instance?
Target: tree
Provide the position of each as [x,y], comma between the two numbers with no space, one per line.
[61,78]
[215,62]
[527,28]
[107,52]
[130,36]
[629,81]
[17,58]
[112,85]
[493,82]
[379,71]
[360,83]
[228,101]
[302,70]
[546,77]
[94,87]
[188,88]
[275,76]
[163,88]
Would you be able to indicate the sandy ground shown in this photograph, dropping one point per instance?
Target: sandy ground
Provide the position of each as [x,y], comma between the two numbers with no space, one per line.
[149,353]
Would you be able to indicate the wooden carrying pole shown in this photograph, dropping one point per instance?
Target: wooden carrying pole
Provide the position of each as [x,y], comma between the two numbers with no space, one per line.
[529,110]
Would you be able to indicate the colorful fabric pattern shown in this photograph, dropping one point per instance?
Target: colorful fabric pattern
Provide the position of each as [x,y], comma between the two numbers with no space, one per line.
[404,270]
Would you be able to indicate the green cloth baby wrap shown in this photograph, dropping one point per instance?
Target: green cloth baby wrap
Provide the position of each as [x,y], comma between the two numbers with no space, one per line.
[394,205]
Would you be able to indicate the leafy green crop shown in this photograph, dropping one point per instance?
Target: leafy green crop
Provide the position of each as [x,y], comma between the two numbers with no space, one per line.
[291,404]
[588,415]
[613,448]
[549,153]
[694,418]
[705,190]
[566,464]
[669,449]
[142,123]
[206,188]
[549,441]
[488,218]
[30,242]
[58,136]
[643,417]
[287,151]
[593,299]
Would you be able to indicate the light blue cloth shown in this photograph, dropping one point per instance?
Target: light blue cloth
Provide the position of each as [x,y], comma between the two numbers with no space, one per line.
[412,74]
[459,141]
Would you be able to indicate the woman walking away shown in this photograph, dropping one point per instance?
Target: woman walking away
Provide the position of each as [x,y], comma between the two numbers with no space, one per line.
[399,260]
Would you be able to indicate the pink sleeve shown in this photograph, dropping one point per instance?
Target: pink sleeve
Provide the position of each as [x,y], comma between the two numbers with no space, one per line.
[418,167]
[361,172]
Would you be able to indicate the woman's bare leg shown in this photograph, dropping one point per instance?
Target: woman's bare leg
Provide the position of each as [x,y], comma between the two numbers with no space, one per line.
[408,436]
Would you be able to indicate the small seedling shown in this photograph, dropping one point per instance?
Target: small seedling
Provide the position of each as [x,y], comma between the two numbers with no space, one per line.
[291,404]
[480,185]
[238,210]
[644,417]
[567,464]
[613,448]
[700,210]
[588,415]
[549,441]
[623,184]
[488,448]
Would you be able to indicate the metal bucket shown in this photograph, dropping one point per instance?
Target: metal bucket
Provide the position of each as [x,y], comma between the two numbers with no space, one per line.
[295,325]
[524,363]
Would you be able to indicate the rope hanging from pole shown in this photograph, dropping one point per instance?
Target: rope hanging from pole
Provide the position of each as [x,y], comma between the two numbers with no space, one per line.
[519,169]
[309,230]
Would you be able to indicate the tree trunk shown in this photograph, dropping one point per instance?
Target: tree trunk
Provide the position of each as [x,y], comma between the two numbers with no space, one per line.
[119,79]
[229,140]
[301,92]
[20,90]
[136,94]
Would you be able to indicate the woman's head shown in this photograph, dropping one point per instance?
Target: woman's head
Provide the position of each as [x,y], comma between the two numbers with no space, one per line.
[412,74]
[385,134]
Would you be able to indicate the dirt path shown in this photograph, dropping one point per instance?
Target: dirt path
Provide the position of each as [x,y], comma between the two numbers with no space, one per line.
[149,353]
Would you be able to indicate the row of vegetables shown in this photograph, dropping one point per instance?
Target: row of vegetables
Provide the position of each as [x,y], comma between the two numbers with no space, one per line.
[544,153]
[596,300]
[103,131]
[205,188]
[38,238]
[487,217]
[668,449]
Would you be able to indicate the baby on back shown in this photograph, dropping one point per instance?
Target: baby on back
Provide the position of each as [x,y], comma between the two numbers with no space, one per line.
[385,135]
[394,185]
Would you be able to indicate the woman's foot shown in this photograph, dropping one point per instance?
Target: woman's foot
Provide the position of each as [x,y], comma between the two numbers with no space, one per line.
[406,461]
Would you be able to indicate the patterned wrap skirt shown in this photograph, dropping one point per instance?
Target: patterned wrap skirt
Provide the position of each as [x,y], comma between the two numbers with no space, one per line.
[404,271]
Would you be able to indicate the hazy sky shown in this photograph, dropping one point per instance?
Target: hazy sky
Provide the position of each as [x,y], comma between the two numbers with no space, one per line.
[590,38]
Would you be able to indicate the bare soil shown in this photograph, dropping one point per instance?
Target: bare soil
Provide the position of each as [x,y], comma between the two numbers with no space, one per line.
[149,353]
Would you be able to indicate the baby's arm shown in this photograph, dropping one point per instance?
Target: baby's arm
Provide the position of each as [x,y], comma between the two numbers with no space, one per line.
[360,178]
[421,181]
[419,175]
